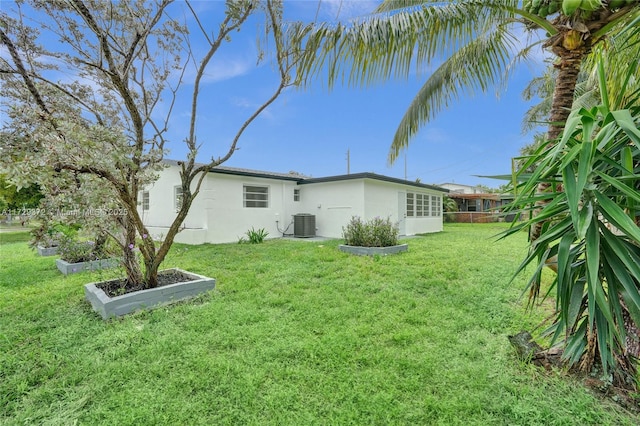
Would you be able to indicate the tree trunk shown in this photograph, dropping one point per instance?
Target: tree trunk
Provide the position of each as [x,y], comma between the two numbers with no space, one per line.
[151,274]
[129,258]
[563,94]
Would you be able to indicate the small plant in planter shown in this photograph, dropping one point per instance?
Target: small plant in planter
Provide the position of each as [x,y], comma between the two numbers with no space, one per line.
[377,232]
[77,256]
[376,236]
[46,237]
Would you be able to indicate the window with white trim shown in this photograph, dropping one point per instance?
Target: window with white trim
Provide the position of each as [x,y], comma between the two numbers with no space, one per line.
[423,205]
[254,196]
[436,205]
[177,197]
[145,200]
[410,205]
[296,194]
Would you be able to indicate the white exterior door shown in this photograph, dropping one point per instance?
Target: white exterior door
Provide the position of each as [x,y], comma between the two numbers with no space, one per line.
[402,212]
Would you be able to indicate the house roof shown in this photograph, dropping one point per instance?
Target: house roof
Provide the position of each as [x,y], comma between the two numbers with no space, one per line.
[294,176]
[302,179]
[258,173]
[484,196]
[368,175]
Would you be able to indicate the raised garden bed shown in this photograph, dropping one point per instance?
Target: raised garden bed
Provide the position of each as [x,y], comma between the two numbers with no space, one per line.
[370,251]
[110,305]
[47,251]
[73,268]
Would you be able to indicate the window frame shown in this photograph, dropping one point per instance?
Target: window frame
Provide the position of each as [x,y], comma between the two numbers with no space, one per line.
[410,206]
[145,200]
[436,206]
[246,201]
[177,197]
[422,204]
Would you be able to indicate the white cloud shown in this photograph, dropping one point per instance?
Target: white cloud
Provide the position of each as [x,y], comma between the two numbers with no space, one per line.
[228,68]
[241,102]
[221,68]
[332,10]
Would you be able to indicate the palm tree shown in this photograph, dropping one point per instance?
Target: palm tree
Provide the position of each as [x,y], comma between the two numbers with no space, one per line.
[481,42]
[618,59]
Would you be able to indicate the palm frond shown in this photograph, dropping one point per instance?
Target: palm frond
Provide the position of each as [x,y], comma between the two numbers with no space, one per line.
[376,48]
[476,66]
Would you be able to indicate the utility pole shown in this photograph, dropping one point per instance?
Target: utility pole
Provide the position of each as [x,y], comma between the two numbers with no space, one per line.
[348,163]
[405,164]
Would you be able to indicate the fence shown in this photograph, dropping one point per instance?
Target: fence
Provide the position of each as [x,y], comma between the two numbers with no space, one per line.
[476,217]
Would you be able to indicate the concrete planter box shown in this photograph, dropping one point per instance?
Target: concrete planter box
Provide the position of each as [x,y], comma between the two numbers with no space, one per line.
[47,251]
[370,251]
[73,268]
[146,299]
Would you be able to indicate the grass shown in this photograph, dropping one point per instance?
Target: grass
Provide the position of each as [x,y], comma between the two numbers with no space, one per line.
[12,234]
[296,333]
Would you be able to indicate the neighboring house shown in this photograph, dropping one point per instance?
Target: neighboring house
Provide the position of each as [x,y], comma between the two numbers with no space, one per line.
[232,201]
[474,204]
[457,188]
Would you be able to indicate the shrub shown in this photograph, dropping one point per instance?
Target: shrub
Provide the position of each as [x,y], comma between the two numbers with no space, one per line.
[43,238]
[450,208]
[49,235]
[73,251]
[377,232]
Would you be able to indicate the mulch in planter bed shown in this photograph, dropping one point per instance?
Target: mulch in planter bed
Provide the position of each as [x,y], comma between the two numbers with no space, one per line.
[120,286]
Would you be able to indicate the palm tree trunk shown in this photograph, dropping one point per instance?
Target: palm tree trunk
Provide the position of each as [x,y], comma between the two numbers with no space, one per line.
[565,85]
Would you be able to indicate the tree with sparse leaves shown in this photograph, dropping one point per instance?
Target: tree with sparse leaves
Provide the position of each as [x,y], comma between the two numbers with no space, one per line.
[89,89]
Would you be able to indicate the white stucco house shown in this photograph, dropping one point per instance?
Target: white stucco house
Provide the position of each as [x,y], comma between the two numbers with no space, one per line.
[458,188]
[232,201]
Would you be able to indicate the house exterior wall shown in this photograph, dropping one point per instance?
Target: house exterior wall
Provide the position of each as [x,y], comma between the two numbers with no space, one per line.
[218,214]
[227,218]
[417,225]
[333,204]
[461,189]
[162,209]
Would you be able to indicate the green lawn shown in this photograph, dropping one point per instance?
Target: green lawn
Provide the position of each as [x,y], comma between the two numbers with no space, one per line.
[296,333]
[14,233]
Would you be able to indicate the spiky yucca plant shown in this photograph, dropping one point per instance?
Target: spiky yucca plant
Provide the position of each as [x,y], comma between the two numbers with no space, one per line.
[589,233]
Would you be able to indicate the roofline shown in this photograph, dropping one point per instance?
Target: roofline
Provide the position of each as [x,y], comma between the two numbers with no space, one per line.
[459,184]
[302,180]
[484,195]
[256,173]
[374,176]
[239,172]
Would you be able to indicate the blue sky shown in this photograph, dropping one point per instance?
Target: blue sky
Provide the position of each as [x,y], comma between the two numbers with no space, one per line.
[310,130]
